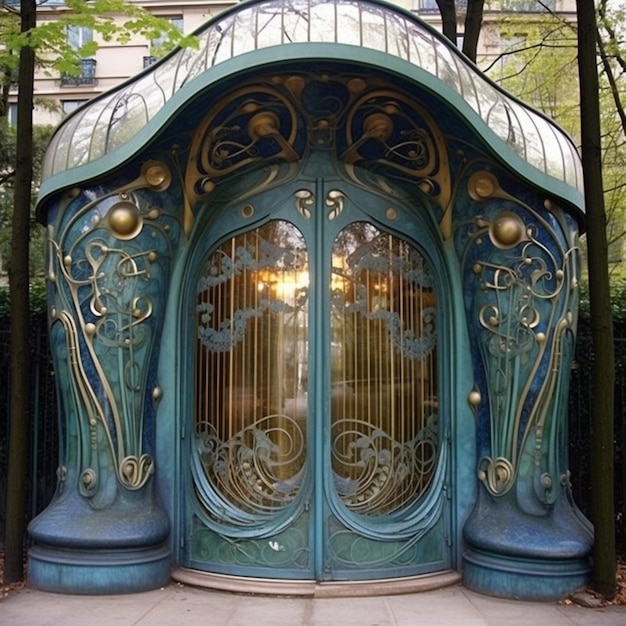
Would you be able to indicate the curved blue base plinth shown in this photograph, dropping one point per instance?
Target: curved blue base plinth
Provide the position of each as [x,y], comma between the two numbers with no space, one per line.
[523,579]
[98,572]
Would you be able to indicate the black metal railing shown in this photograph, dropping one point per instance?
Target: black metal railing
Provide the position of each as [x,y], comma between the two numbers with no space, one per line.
[509,6]
[43,419]
[87,75]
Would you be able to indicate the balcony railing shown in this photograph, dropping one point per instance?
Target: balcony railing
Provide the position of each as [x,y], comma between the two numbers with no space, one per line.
[521,6]
[87,74]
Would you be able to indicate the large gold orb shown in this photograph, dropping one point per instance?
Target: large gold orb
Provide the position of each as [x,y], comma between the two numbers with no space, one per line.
[125,221]
[506,230]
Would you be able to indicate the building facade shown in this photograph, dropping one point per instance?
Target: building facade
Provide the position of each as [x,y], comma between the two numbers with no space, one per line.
[313,291]
[114,62]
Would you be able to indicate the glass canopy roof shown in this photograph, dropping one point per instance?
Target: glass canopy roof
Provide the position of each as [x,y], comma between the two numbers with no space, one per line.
[111,120]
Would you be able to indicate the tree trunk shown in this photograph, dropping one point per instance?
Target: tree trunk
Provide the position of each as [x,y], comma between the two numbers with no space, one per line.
[447,8]
[473,24]
[19,419]
[603,367]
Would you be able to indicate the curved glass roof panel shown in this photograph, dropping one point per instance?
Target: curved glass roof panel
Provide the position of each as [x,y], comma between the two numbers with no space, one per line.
[109,121]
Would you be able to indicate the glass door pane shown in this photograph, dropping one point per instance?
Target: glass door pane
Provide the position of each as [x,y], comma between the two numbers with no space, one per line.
[384,439]
[251,370]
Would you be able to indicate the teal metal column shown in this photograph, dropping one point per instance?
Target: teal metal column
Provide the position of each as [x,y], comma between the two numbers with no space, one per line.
[109,263]
[525,537]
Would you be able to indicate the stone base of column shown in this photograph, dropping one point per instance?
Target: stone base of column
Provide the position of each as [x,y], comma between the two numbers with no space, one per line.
[99,571]
[80,549]
[523,579]
[513,554]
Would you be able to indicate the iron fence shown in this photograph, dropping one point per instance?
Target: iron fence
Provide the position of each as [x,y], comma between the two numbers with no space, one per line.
[43,460]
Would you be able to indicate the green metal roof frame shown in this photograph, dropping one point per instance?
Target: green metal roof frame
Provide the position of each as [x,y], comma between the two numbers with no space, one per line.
[114,127]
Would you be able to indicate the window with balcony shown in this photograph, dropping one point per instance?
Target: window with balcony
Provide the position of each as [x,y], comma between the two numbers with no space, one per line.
[78,37]
[86,75]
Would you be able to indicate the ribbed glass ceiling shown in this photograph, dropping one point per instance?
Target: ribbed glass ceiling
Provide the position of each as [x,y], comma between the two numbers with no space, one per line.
[111,120]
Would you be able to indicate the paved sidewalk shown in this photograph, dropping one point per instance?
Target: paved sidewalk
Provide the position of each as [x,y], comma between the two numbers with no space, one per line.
[178,605]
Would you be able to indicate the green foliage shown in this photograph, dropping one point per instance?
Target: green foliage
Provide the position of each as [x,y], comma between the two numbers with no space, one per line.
[112,20]
[540,67]
[38,301]
[41,137]
[618,300]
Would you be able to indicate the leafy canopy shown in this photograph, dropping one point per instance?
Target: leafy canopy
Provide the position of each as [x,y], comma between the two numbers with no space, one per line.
[112,20]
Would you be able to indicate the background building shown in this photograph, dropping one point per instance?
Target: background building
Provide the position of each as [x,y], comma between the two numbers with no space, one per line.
[113,63]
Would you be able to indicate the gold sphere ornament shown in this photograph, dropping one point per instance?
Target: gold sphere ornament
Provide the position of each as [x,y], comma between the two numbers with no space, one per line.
[125,221]
[506,230]
[482,185]
[474,397]
[378,126]
[264,124]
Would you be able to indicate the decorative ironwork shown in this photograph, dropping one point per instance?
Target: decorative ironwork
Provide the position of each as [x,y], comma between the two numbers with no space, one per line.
[374,473]
[86,75]
[389,136]
[260,469]
[526,265]
[288,548]
[251,368]
[362,288]
[349,550]
[108,265]
[376,134]
[257,127]
[384,434]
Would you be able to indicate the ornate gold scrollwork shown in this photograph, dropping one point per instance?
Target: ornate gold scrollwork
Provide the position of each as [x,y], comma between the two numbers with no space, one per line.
[267,125]
[527,271]
[497,474]
[106,257]
[304,200]
[256,127]
[410,141]
[336,200]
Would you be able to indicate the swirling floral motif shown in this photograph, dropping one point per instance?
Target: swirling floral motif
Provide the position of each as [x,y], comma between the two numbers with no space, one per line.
[392,135]
[524,320]
[497,474]
[335,200]
[106,295]
[260,468]
[305,199]
[376,474]
[258,125]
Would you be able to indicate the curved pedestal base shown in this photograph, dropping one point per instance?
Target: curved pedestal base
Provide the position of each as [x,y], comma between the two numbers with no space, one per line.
[315,589]
[98,571]
[523,579]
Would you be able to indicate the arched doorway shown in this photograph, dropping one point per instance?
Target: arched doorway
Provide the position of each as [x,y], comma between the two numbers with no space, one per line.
[318,445]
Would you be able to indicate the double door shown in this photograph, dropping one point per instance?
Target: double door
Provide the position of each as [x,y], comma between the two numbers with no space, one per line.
[316,446]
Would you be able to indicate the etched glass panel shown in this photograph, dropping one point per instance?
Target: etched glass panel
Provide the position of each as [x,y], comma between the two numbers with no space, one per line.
[383,350]
[251,367]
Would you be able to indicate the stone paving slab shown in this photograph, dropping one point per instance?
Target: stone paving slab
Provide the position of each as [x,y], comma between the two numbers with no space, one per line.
[179,605]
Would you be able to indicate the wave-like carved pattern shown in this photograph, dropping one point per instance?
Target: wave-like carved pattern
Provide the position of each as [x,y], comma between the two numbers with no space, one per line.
[259,469]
